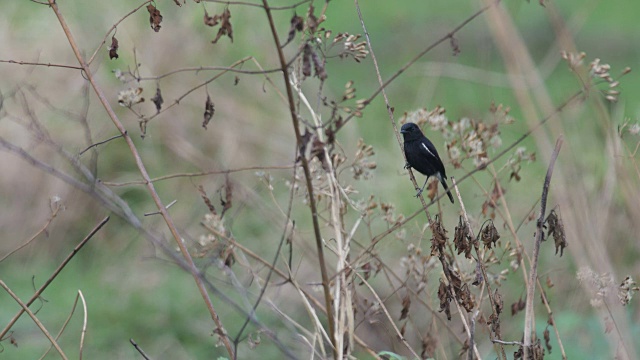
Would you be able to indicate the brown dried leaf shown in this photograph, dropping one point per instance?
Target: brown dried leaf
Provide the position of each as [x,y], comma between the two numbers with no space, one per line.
[206,200]
[306,61]
[518,306]
[462,237]
[211,20]
[406,304]
[113,49]
[547,339]
[154,17]
[157,99]
[225,26]
[555,227]
[318,66]
[209,110]
[312,20]
[429,346]
[228,199]
[489,235]
[466,299]
[439,239]
[497,300]
[444,295]
[297,25]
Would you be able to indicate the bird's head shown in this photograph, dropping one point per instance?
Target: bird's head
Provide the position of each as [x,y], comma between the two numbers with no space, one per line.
[411,131]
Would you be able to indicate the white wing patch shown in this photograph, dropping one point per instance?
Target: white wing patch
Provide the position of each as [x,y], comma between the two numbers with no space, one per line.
[426,148]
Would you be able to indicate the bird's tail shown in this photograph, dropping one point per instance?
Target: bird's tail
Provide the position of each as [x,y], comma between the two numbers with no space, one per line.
[446,188]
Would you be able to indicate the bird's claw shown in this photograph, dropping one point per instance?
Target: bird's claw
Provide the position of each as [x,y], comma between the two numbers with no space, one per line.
[407,165]
[419,192]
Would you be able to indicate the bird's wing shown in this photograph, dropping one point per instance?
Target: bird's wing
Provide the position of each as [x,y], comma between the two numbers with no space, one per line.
[427,149]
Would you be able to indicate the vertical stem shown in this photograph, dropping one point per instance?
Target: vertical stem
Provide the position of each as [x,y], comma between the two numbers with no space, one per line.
[531,288]
[307,175]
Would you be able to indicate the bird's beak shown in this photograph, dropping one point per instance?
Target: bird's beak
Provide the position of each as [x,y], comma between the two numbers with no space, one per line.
[403,131]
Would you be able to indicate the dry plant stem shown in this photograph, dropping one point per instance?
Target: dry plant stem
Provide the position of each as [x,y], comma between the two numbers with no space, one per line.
[35,319]
[142,353]
[84,323]
[479,258]
[40,64]
[507,217]
[53,276]
[46,225]
[307,175]
[528,320]
[143,171]
[289,278]
[204,173]
[99,143]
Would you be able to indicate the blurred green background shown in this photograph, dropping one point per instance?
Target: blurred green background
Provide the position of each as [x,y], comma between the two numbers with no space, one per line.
[132,291]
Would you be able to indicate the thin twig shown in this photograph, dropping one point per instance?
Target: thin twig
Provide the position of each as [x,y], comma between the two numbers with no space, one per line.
[157,212]
[135,345]
[84,323]
[533,276]
[25,308]
[41,64]
[203,173]
[99,143]
[53,276]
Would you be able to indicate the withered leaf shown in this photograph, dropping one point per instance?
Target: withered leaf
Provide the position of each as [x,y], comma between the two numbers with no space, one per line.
[155,18]
[439,239]
[444,296]
[429,346]
[318,66]
[406,303]
[228,199]
[113,49]
[225,26]
[208,112]
[157,99]
[206,200]
[556,228]
[461,238]
[297,24]
[547,339]
[466,299]
[312,20]
[210,20]
[497,301]
[517,306]
[489,235]
[306,60]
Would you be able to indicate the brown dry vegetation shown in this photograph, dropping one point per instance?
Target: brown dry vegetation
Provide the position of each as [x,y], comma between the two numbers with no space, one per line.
[236,173]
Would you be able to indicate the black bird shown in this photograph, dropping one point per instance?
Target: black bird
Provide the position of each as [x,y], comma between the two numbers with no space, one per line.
[422,156]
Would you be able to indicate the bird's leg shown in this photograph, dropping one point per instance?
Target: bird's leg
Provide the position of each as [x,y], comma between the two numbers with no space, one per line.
[421,190]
